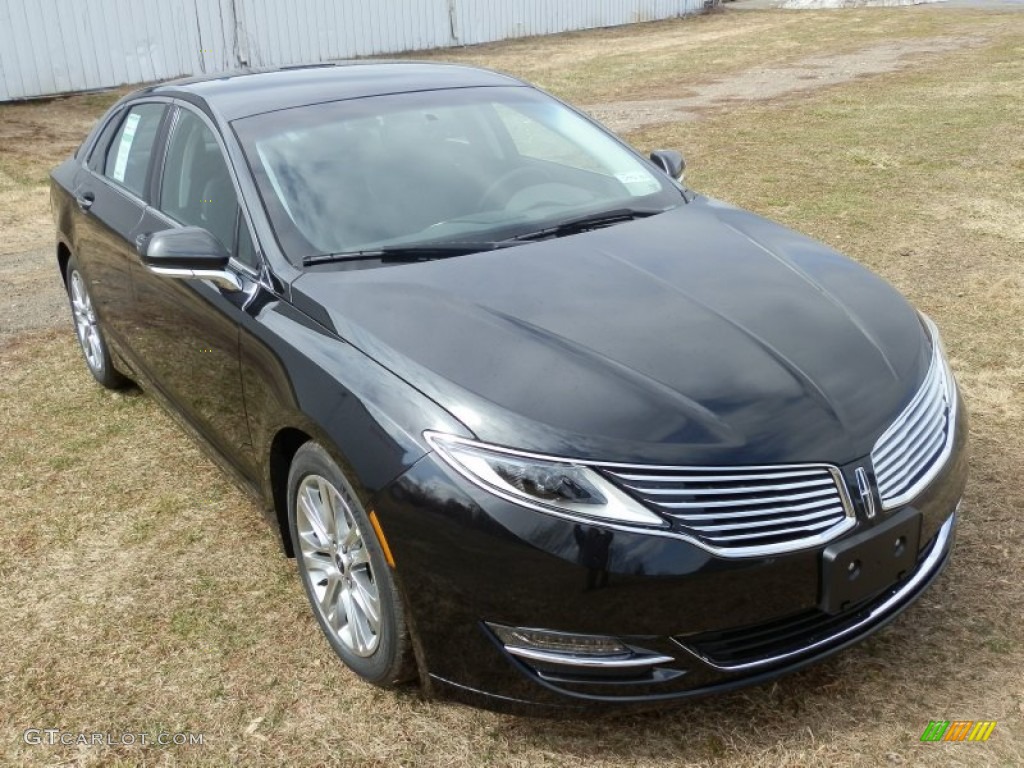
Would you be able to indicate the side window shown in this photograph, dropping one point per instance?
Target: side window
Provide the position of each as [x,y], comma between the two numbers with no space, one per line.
[196,189]
[127,157]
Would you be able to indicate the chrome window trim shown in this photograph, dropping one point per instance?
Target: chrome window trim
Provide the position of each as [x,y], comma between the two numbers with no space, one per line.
[849,521]
[938,552]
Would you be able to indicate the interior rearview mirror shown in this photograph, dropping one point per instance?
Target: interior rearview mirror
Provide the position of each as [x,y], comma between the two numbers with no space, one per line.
[189,253]
[670,161]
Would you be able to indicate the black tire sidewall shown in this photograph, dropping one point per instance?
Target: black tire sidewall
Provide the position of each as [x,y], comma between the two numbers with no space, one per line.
[384,667]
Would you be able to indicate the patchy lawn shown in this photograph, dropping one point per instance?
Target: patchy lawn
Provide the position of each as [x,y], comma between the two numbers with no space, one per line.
[142,592]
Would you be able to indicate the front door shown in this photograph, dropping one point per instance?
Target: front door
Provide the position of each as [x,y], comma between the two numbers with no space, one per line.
[187,331]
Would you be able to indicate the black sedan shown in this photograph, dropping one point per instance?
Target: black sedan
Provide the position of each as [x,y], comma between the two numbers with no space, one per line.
[538,423]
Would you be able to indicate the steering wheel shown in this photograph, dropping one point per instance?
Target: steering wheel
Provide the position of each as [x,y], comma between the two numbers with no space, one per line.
[550,194]
[502,188]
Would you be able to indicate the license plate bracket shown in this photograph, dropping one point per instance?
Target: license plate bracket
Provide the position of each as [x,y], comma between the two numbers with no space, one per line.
[863,565]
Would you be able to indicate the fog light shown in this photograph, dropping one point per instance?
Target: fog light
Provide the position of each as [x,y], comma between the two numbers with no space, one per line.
[548,650]
[559,642]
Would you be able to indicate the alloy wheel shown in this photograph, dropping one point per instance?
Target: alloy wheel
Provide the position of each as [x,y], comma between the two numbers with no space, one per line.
[337,563]
[85,323]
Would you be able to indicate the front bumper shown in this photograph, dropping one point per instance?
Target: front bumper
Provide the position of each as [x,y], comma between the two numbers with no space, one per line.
[465,558]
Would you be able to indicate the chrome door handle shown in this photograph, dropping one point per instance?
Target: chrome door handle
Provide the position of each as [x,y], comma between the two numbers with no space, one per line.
[85,200]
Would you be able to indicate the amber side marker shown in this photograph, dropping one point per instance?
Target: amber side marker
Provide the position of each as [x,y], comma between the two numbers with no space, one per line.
[380,537]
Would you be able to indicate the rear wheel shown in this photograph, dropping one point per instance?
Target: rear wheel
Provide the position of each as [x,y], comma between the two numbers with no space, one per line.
[90,334]
[344,572]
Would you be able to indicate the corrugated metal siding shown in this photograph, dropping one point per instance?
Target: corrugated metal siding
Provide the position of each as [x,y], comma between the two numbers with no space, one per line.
[56,46]
[481,21]
[273,33]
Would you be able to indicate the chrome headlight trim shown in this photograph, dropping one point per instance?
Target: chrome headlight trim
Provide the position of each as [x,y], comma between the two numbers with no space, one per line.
[470,459]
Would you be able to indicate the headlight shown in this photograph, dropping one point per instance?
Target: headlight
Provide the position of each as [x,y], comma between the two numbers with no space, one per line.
[549,485]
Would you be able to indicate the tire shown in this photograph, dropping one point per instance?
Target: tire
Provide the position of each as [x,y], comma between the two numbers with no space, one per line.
[87,328]
[346,577]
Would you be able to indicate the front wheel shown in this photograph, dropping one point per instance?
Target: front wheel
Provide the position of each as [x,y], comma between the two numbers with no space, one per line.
[344,572]
[90,335]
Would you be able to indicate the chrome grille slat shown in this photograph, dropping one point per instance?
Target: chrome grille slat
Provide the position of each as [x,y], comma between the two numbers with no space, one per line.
[781,500]
[913,449]
[745,511]
[917,451]
[809,517]
[928,402]
[909,472]
[689,516]
[818,483]
[930,425]
[923,408]
[684,475]
[805,529]
[910,413]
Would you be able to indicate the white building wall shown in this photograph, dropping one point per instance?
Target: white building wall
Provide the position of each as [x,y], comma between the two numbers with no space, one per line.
[56,46]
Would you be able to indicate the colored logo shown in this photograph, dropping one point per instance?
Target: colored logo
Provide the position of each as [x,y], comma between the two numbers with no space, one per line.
[958,730]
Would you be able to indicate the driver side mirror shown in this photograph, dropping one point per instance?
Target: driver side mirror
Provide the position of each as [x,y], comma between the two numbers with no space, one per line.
[187,253]
[670,161]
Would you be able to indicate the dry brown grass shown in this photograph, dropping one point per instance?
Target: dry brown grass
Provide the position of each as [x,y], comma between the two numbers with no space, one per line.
[142,592]
[35,136]
[666,59]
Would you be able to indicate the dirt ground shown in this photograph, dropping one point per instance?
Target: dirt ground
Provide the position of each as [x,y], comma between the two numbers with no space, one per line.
[772,83]
[35,136]
[141,591]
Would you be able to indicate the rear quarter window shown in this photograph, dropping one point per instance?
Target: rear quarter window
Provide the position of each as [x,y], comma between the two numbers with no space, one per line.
[126,158]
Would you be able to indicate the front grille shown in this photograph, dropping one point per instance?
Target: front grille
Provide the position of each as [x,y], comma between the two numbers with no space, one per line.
[910,451]
[745,510]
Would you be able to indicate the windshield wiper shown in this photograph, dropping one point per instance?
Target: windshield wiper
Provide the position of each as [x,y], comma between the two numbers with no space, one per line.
[587,222]
[423,252]
[428,251]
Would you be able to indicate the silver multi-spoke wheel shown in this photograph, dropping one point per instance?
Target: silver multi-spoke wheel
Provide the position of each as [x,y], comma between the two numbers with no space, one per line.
[347,569]
[85,323]
[337,562]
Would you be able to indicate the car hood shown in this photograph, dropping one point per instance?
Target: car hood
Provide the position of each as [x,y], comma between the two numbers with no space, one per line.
[705,334]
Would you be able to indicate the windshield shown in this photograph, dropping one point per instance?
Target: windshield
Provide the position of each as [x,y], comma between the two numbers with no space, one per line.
[452,166]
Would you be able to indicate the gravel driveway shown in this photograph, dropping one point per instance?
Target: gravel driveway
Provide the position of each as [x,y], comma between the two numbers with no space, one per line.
[31,293]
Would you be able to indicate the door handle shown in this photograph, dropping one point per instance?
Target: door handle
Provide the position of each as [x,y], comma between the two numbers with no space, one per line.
[85,200]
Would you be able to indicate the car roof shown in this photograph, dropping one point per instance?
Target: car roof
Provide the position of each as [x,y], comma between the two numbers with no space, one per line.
[249,92]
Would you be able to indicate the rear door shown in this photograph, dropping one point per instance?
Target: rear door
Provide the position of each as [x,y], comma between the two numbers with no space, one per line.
[111,193]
